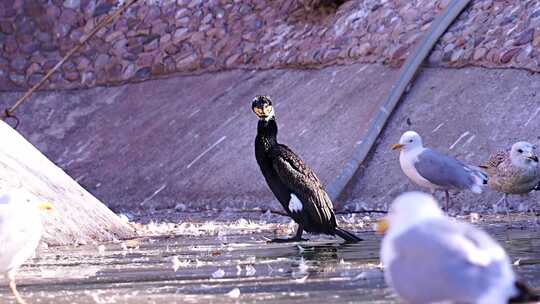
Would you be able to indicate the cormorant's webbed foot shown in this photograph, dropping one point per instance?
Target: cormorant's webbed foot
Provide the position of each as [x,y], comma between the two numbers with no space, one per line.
[288,240]
[296,238]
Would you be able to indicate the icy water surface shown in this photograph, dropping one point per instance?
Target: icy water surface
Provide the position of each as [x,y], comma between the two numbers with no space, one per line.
[238,268]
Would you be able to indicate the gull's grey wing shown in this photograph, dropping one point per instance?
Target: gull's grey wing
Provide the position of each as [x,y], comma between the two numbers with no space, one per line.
[445,171]
[432,263]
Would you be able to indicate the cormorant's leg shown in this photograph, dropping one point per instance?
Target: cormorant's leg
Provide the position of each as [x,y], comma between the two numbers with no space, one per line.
[296,238]
[447,200]
[17,295]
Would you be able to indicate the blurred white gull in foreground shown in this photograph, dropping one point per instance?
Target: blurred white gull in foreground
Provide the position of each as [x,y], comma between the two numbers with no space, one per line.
[430,258]
[20,232]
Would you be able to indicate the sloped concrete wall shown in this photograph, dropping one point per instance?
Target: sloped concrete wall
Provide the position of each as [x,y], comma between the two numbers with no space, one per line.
[79,217]
[190,139]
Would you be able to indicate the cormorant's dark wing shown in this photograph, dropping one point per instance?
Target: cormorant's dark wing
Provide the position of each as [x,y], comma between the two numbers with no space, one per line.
[303,182]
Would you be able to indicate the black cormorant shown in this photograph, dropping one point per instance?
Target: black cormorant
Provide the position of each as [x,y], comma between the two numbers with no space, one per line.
[294,184]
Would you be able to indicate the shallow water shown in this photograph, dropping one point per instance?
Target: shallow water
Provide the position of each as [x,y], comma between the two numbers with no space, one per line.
[210,268]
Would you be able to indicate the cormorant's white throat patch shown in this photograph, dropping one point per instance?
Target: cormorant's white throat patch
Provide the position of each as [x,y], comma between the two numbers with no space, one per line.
[295,205]
[269,115]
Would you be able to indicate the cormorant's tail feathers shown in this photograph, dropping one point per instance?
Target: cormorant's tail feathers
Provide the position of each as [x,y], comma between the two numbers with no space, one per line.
[347,236]
[525,294]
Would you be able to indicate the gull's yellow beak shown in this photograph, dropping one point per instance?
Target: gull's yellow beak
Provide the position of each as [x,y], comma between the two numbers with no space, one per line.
[47,206]
[397,147]
[533,158]
[382,226]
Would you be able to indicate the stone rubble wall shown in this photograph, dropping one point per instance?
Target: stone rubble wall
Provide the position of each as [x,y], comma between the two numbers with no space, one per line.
[160,37]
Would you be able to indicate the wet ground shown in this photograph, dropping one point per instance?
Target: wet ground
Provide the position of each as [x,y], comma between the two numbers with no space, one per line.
[217,262]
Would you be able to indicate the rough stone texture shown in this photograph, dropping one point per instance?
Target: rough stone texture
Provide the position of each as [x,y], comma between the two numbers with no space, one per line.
[158,37]
[79,217]
[468,113]
[189,140]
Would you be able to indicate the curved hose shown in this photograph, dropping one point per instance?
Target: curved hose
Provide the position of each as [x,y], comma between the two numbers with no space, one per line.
[408,71]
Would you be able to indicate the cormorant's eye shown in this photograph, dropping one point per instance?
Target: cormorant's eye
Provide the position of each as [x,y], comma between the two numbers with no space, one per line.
[520,151]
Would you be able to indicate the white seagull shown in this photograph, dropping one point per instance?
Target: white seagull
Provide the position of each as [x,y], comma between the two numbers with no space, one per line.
[20,232]
[513,172]
[434,170]
[430,258]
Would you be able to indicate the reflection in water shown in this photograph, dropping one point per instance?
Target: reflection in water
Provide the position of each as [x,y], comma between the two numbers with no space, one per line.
[141,271]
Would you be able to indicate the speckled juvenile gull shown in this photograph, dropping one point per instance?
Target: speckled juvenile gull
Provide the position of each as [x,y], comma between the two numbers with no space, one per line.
[434,170]
[430,258]
[513,172]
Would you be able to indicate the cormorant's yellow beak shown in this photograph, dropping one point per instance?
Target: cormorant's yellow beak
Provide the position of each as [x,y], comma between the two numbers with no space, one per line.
[264,112]
[47,206]
[397,146]
[383,225]
[258,111]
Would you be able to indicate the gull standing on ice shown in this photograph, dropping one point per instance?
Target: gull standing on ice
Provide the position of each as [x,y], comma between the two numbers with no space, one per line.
[434,170]
[430,258]
[20,232]
[513,172]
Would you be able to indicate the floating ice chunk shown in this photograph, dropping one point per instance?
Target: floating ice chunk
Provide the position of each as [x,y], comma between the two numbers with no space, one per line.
[302,279]
[303,266]
[250,270]
[368,275]
[242,223]
[235,293]
[220,273]
[177,263]
[238,270]
[180,207]
[361,276]
[474,217]
[101,249]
